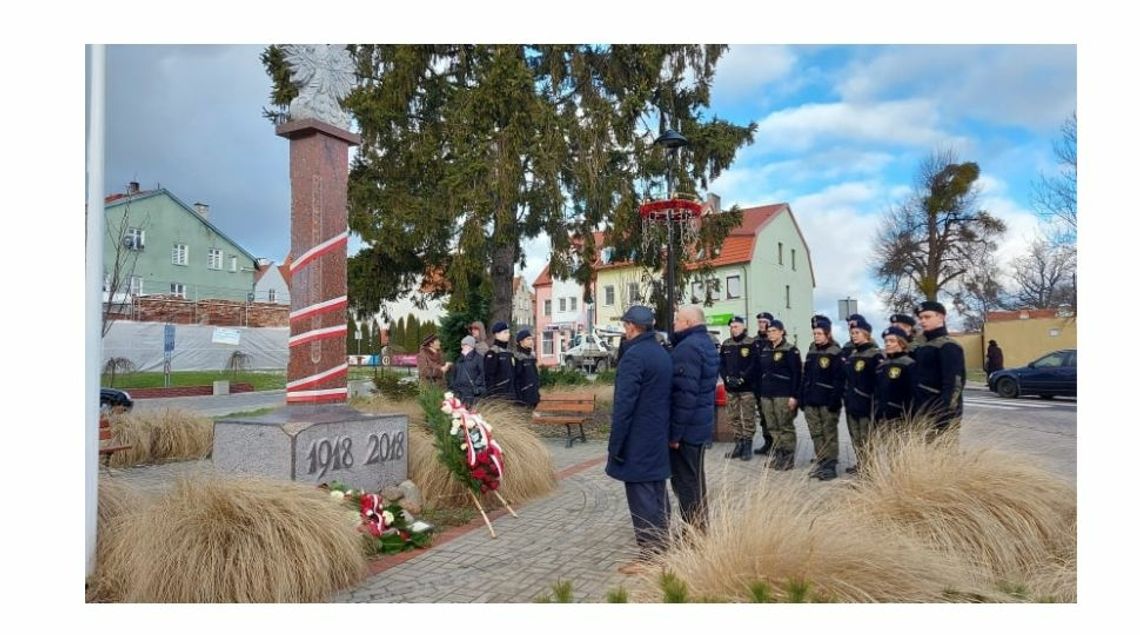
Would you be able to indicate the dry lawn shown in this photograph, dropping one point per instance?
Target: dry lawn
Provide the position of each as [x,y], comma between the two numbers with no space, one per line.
[161,435]
[231,540]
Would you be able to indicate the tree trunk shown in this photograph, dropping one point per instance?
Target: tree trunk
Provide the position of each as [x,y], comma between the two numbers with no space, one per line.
[502,281]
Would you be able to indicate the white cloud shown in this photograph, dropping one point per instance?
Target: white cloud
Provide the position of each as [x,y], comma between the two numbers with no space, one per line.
[1032,86]
[744,70]
[911,122]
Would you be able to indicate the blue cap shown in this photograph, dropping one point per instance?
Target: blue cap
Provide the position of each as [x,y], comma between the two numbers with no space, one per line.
[776,324]
[523,334]
[764,315]
[903,318]
[639,316]
[500,326]
[854,317]
[737,319]
[930,305]
[860,324]
[821,322]
[897,332]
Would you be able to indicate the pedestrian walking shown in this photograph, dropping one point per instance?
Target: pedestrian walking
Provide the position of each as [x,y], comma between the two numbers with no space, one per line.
[894,382]
[737,369]
[995,359]
[693,400]
[499,364]
[821,396]
[638,450]
[467,382]
[430,367]
[779,385]
[526,370]
[860,388]
[762,348]
[940,365]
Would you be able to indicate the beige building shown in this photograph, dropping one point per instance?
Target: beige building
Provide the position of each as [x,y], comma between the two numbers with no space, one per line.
[1023,336]
[522,305]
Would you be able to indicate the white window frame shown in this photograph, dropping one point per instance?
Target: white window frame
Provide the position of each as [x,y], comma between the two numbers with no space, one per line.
[547,307]
[608,294]
[573,304]
[178,290]
[793,259]
[780,253]
[233,263]
[547,343]
[787,296]
[561,305]
[180,254]
[214,259]
[728,287]
[634,292]
[135,285]
[138,237]
[106,282]
[273,295]
[698,290]
[712,284]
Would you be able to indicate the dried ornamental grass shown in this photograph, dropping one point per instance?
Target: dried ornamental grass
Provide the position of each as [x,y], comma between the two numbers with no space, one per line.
[161,435]
[117,501]
[784,537]
[997,510]
[236,540]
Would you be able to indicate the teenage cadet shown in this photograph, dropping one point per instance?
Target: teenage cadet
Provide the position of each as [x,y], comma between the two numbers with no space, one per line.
[779,384]
[526,370]
[907,324]
[941,368]
[860,390]
[761,349]
[737,355]
[894,382]
[499,364]
[821,395]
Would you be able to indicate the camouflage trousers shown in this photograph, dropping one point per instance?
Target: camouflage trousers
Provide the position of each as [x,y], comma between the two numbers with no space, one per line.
[741,415]
[824,428]
[860,430]
[781,423]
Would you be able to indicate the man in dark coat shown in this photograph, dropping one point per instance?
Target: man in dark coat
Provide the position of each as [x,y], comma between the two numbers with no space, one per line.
[780,373]
[995,360]
[761,349]
[467,382]
[639,433]
[821,396]
[737,366]
[526,370]
[499,364]
[941,372]
[695,366]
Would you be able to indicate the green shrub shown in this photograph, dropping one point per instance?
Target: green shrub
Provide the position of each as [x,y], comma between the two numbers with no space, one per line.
[561,377]
[606,377]
[393,387]
[618,596]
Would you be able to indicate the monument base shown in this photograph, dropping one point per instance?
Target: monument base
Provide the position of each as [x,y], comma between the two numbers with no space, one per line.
[316,444]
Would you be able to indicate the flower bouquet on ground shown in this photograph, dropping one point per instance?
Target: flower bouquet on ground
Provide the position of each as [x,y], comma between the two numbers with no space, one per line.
[466,446]
[388,527]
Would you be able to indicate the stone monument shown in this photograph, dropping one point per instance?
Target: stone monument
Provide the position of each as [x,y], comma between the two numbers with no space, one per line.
[316,437]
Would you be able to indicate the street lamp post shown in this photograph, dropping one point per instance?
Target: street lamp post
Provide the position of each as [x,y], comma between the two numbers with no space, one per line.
[672,141]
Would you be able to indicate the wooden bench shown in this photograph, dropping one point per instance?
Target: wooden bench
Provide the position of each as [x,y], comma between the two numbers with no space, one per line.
[106,449]
[567,409]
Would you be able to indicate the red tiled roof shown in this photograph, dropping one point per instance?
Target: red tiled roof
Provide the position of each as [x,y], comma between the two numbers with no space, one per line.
[1030,314]
[543,278]
[285,272]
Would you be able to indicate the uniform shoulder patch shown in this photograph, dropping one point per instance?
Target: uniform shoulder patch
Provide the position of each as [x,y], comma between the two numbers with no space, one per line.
[824,361]
[894,371]
[744,351]
[777,356]
[859,364]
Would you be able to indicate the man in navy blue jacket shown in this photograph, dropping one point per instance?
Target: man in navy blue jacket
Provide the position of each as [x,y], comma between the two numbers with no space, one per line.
[639,434]
[695,368]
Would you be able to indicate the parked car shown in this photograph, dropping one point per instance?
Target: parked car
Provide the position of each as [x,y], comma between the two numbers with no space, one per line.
[112,398]
[1049,376]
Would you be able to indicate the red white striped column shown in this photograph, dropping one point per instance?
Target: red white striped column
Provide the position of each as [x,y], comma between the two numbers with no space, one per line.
[318,173]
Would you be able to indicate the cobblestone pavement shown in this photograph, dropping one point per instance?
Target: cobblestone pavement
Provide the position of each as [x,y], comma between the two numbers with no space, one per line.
[579,533]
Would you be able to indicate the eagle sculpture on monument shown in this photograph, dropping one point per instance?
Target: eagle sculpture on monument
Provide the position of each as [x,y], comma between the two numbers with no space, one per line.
[324,75]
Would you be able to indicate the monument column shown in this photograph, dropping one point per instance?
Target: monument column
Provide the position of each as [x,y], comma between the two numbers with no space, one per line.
[318,175]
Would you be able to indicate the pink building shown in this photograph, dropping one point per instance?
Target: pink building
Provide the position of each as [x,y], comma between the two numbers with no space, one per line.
[560,313]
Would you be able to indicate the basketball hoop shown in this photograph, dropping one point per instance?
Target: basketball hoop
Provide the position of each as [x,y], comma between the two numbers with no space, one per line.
[658,217]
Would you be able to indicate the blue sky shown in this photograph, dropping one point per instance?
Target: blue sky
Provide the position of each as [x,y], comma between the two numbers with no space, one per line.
[841,130]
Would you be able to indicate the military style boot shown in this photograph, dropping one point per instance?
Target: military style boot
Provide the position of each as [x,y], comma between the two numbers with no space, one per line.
[764,449]
[788,461]
[736,450]
[827,470]
[746,450]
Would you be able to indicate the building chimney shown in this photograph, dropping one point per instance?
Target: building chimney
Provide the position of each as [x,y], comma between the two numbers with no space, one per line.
[713,203]
[203,210]
[132,188]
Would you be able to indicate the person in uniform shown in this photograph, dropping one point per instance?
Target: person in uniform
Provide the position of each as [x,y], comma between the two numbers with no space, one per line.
[761,349]
[638,449]
[894,382]
[499,364]
[737,357]
[821,395]
[849,345]
[860,388]
[907,323]
[526,370]
[779,385]
[693,414]
[940,366]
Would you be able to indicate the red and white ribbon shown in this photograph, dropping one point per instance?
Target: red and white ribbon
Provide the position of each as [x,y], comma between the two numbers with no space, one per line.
[308,396]
[319,250]
[319,308]
[318,378]
[317,334]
